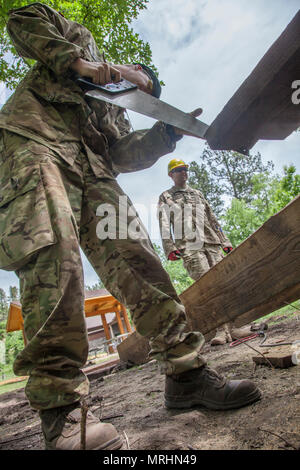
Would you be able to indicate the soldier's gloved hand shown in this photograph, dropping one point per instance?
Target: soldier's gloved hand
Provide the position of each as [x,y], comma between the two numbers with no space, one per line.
[174,255]
[195,114]
[227,249]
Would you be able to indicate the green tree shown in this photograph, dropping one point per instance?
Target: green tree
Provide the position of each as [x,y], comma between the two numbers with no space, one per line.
[288,188]
[14,344]
[13,293]
[108,20]
[3,305]
[200,178]
[225,173]
[97,286]
[268,196]
[240,221]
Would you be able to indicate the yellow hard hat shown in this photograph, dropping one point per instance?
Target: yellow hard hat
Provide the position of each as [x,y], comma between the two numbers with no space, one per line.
[176,163]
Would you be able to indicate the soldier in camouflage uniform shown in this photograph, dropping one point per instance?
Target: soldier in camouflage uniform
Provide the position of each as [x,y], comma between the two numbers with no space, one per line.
[58,162]
[190,230]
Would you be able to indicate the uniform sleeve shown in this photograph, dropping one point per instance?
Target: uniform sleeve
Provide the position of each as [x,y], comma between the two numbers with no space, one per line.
[141,149]
[165,224]
[215,225]
[38,32]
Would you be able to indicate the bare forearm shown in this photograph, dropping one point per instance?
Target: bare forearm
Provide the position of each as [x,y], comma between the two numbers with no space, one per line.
[100,72]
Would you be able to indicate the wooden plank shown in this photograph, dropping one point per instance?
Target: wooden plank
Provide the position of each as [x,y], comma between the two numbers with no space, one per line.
[280,356]
[14,380]
[119,320]
[98,370]
[107,332]
[262,108]
[126,319]
[257,278]
[14,319]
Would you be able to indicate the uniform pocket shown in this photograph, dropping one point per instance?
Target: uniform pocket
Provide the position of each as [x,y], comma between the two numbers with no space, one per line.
[25,224]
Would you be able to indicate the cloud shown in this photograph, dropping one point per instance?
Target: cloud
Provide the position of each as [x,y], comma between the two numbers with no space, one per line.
[171,26]
[228,38]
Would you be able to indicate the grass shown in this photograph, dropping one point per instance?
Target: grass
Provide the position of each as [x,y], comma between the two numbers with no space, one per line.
[288,311]
[11,387]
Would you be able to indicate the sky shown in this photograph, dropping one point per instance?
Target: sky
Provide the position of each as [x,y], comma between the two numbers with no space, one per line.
[204,50]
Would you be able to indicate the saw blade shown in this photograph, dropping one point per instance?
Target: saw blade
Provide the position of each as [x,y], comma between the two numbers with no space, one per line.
[148,105]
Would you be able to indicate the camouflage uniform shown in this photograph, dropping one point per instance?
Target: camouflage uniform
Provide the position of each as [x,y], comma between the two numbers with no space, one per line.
[203,251]
[58,162]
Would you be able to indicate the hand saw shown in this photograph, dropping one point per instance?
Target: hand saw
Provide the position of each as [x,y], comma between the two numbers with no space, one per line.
[127,95]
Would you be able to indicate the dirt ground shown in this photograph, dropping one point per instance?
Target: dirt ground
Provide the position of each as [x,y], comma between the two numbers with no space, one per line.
[132,400]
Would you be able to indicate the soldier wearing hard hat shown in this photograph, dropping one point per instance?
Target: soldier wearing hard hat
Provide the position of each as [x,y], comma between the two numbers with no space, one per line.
[183,211]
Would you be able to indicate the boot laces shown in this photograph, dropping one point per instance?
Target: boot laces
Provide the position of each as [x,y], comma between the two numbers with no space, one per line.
[213,376]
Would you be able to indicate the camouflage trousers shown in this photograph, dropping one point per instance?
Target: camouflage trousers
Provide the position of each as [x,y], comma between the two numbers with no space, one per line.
[50,210]
[201,261]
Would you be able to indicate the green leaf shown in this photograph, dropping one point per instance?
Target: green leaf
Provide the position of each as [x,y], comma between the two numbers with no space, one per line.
[108,20]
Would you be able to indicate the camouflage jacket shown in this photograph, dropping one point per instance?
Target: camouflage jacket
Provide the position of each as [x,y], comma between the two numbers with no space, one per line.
[186,221]
[49,107]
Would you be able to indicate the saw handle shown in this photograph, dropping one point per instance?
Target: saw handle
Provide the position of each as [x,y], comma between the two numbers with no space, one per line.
[123,86]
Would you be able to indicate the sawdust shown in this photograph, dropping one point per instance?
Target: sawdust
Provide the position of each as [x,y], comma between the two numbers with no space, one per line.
[133,400]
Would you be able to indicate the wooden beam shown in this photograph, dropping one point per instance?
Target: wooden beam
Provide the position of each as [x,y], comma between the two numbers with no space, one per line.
[262,108]
[120,324]
[126,319]
[14,380]
[258,277]
[279,356]
[107,332]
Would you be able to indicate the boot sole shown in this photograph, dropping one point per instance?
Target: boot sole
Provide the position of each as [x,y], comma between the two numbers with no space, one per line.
[194,401]
[114,444]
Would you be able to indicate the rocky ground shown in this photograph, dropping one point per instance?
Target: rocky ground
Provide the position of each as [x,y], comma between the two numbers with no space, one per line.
[133,400]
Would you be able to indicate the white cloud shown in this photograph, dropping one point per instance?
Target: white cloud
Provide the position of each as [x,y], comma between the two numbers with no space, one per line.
[229,38]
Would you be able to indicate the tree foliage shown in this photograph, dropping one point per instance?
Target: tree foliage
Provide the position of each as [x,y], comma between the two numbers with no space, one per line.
[200,178]
[240,221]
[226,173]
[268,196]
[13,342]
[108,20]
[3,305]
[99,285]
[288,188]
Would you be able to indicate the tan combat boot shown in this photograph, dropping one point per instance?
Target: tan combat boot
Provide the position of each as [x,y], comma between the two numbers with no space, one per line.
[222,336]
[204,386]
[62,430]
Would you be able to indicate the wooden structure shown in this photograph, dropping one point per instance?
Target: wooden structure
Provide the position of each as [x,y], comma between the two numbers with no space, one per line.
[262,108]
[279,356]
[94,305]
[258,277]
